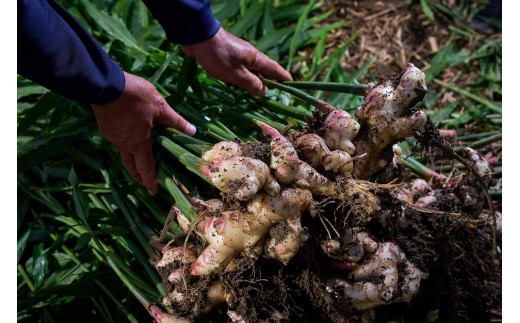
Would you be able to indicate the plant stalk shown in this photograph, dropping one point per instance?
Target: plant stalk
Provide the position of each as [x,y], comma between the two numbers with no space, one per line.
[356,89]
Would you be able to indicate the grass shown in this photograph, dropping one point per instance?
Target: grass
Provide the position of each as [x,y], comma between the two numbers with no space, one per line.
[83,224]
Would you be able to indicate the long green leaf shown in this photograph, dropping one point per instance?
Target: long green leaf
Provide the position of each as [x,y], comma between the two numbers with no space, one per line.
[112,25]
[251,17]
[299,26]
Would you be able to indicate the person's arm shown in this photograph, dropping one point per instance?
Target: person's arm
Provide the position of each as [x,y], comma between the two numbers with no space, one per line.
[54,50]
[228,58]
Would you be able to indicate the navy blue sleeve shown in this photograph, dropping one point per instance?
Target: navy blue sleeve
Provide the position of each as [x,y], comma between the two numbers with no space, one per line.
[184,21]
[55,51]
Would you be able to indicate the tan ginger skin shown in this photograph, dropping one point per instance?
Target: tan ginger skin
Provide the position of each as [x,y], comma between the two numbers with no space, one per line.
[235,231]
[289,168]
[381,260]
[222,150]
[316,153]
[248,176]
[339,129]
[384,120]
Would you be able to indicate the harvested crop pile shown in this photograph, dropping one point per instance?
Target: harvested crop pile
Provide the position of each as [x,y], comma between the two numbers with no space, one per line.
[331,227]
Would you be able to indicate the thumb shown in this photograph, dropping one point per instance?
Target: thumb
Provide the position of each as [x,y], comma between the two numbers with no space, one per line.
[168,117]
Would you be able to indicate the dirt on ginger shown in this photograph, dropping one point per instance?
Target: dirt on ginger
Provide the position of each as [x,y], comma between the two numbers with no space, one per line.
[307,219]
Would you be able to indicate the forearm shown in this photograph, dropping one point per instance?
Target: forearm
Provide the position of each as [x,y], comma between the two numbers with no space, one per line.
[184,21]
[54,50]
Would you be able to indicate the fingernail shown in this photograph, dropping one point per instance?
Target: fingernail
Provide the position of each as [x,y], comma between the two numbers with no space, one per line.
[150,192]
[190,129]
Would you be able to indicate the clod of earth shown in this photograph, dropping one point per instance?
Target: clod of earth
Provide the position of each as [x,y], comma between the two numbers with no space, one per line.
[309,225]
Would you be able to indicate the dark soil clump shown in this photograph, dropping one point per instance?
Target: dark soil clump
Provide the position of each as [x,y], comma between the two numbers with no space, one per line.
[257,150]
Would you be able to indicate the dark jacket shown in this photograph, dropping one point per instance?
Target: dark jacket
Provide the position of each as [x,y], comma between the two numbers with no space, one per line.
[55,51]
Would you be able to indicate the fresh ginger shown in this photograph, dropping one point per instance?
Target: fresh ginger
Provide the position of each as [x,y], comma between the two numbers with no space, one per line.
[480,163]
[419,193]
[284,159]
[222,150]
[162,317]
[235,231]
[339,129]
[316,153]
[240,177]
[352,246]
[178,260]
[289,168]
[386,117]
[286,248]
[363,293]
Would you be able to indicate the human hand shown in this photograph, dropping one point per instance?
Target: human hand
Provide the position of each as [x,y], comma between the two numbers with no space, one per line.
[233,60]
[127,123]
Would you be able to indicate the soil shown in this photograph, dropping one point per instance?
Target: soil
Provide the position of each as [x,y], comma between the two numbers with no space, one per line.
[257,150]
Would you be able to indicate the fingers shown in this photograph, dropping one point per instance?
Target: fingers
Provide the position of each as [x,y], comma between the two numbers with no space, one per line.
[269,68]
[141,166]
[168,117]
[249,82]
[145,166]
[129,163]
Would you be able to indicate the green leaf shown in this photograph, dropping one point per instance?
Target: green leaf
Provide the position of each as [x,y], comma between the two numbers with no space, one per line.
[289,12]
[189,67]
[464,118]
[443,113]
[439,61]
[112,25]
[229,10]
[40,265]
[427,10]
[299,27]
[267,22]
[251,17]
[27,90]
[43,106]
[155,77]
[22,242]
[272,39]
[79,198]
[318,54]
[83,241]
[73,178]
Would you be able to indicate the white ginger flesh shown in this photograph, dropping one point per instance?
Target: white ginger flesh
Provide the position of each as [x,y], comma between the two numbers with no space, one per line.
[289,168]
[222,150]
[316,153]
[375,281]
[241,177]
[289,237]
[339,129]
[385,118]
[234,231]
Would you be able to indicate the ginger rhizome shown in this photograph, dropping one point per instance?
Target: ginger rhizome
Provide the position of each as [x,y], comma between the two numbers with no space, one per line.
[386,117]
[319,177]
[234,231]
